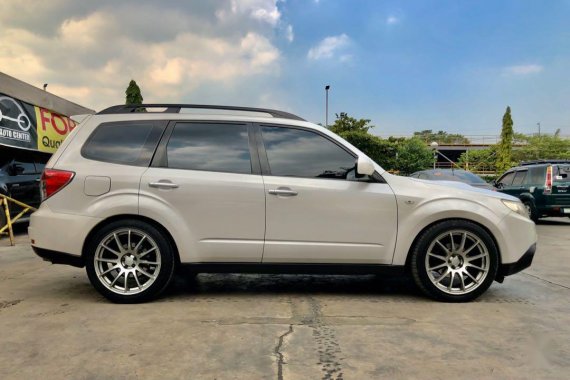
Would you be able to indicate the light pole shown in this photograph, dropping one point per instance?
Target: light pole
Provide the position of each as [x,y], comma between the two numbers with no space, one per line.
[434,146]
[538,128]
[327,88]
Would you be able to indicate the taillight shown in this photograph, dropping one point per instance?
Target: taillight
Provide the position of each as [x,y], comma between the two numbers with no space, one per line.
[53,181]
[548,182]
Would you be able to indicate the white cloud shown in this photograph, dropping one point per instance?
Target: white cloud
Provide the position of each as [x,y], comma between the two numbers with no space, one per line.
[90,55]
[328,47]
[523,69]
[392,20]
[261,10]
[289,35]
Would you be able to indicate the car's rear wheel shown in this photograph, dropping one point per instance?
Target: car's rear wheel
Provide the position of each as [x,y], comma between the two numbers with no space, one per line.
[454,261]
[129,261]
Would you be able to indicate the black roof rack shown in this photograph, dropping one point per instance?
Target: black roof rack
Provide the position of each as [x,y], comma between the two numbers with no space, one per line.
[545,161]
[175,108]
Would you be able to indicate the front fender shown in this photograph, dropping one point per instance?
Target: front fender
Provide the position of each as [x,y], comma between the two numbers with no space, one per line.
[413,219]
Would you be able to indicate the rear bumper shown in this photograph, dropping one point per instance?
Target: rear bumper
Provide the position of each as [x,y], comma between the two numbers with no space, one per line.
[59,257]
[521,264]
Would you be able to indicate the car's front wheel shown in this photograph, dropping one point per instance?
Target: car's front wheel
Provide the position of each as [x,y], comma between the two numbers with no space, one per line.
[129,261]
[454,261]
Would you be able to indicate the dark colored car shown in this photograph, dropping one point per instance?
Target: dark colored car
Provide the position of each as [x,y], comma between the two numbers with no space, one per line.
[543,186]
[20,180]
[457,175]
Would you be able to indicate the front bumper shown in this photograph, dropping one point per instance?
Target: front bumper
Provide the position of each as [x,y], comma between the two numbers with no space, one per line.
[519,265]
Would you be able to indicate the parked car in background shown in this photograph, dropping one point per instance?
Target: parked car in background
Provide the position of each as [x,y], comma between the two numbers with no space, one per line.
[458,175]
[543,186]
[20,179]
[133,196]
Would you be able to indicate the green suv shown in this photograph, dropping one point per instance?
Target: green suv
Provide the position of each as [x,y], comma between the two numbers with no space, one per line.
[543,186]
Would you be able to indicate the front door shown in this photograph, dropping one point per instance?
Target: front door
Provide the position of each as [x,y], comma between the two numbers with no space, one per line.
[317,210]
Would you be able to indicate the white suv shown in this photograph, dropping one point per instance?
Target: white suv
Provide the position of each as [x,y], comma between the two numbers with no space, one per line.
[133,196]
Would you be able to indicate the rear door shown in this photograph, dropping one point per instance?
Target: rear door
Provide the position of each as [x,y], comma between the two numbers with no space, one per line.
[205,181]
[317,210]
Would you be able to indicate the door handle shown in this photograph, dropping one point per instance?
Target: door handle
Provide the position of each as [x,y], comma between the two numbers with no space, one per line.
[284,192]
[163,185]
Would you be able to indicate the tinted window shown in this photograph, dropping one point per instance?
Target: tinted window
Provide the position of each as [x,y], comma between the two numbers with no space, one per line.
[23,168]
[468,177]
[519,177]
[130,143]
[212,147]
[536,176]
[507,179]
[300,153]
[562,173]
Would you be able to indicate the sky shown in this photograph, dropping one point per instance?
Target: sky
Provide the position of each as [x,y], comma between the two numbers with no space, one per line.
[406,65]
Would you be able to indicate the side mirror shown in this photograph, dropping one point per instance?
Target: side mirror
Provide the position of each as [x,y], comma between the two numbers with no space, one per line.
[364,166]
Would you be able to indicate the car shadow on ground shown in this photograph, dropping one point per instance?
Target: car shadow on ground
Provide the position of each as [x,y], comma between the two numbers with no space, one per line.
[267,284]
[553,222]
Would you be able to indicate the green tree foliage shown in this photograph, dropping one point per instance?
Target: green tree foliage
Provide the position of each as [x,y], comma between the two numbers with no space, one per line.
[395,154]
[505,147]
[441,137]
[479,160]
[413,155]
[345,123]
[383,152]
[541,147]
[133,93]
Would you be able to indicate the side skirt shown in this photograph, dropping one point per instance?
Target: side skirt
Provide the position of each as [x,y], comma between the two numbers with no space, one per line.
[277,268]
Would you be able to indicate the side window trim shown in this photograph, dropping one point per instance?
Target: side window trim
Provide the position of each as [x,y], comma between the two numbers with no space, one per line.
[160,159]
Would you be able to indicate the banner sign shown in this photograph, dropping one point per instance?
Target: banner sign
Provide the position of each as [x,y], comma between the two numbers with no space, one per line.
[23,125]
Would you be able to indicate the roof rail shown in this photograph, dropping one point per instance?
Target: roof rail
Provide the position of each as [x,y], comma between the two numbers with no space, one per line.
[545,161]
[175,108]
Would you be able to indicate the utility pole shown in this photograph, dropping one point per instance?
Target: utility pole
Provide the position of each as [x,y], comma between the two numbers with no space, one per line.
[538,128]
[327,88]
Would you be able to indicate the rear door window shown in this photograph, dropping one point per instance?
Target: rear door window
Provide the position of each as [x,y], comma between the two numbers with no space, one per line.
[216,147]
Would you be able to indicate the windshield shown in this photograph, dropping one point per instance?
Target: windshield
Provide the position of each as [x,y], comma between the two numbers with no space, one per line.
[456,175]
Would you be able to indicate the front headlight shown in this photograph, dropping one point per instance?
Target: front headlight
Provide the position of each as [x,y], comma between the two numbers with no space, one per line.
[516,206]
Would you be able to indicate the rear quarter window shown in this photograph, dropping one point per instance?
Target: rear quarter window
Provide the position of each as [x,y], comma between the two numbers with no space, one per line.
[129,143]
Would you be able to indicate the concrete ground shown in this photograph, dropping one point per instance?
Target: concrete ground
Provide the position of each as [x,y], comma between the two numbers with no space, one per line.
[55,325]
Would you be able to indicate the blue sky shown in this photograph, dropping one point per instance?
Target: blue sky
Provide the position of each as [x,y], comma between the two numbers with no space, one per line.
[407,65]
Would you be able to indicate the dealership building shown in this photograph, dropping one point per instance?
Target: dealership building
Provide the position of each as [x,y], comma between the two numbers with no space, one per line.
[33,122]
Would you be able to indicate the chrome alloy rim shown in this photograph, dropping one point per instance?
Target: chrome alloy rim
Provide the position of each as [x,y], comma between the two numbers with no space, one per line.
[457,262]
[127,261]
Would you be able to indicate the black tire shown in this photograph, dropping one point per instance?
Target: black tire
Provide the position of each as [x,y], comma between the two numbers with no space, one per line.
[531,209]
[162,275]
[418,263]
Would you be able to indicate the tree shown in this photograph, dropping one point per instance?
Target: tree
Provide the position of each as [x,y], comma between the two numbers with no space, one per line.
[505,146]
[413,155]
[383,152]
[479,160]
[133,93]
[427,135]
[345,123]
[541,147]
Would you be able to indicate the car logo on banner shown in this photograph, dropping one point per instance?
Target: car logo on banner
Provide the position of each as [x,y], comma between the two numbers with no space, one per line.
[26,126]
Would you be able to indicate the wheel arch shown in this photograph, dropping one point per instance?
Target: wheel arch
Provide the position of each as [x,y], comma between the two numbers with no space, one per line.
[422,231]
[141,218]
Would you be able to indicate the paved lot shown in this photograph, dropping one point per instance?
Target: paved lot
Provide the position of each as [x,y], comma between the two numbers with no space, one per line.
[54,325]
